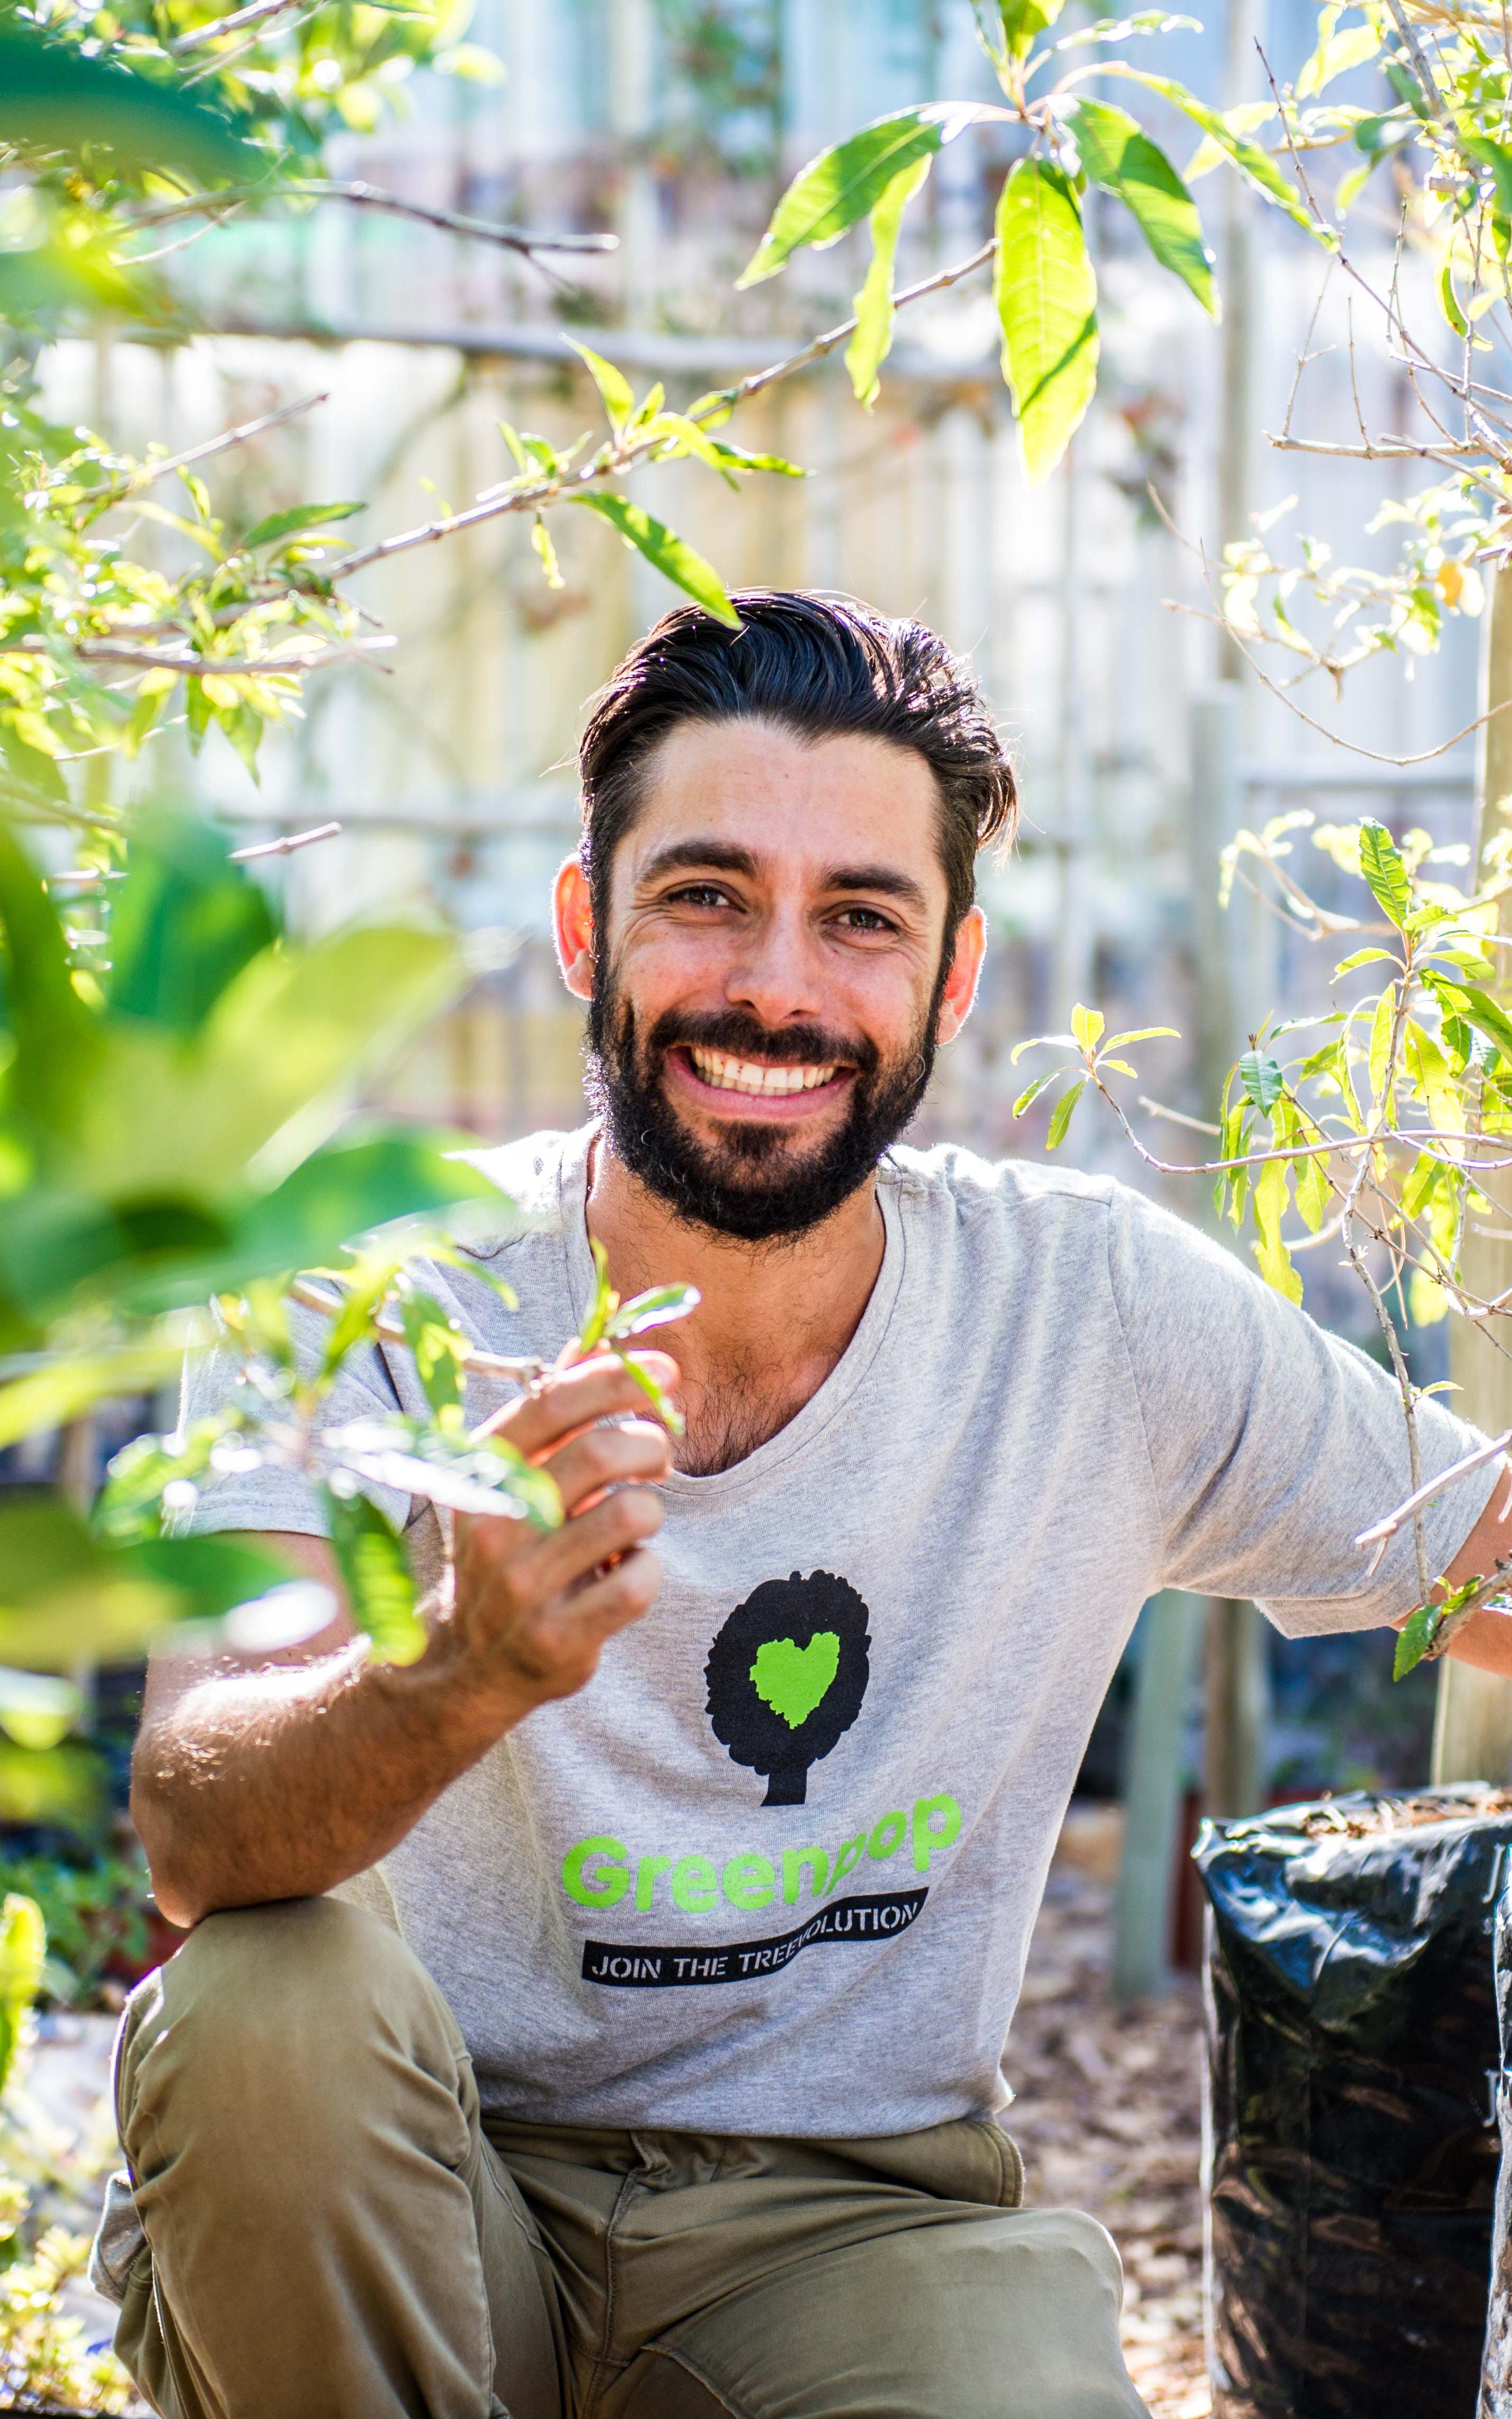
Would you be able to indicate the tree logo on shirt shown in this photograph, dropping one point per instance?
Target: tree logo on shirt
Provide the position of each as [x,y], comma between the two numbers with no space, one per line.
[786,1675]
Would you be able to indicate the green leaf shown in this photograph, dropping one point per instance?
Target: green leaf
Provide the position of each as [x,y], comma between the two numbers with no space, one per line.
[1314,1192]
[1024,21]
[1045,290]
[1491,155]
[1063,1112]
[1380,862]
[439,1345]
[297,516]
[57,1039]
[183,923]
[734,457]
[1260,1080]
[1414,1638]
[1144,1033]
[1377,1053]
[842,184]
[1249,158]
[1361,958]
[668,553]
[1449,302]
[276,1050]
[657,1309]
[1118,155]
[379,1588]
[1476,1007]
[617,395]
[1420,1182]
[874,314]
[1086,1024]
[66,1595]
[36,1709]
[52,98]
[77,1382]
[604,1303]
[1026,1099]
[1268,1198]
[23,1951]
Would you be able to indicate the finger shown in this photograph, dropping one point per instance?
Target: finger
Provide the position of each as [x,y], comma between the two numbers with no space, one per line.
[611,1601]
[607,1457]
[566,1401]
[503,1564]
[624,1519]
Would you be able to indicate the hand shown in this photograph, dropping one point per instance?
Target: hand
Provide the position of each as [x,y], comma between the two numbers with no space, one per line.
[531,1611]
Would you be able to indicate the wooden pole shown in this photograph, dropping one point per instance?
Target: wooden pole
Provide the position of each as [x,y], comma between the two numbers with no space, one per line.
[1472,1729]
[1171,1625]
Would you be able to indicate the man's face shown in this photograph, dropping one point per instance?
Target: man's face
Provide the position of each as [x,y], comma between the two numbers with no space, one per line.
[767,999]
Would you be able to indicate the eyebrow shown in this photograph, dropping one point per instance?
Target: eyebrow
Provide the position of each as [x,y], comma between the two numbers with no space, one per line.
[728,857]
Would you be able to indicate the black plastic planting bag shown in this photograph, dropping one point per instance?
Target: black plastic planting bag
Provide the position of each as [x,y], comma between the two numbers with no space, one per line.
[1352,2041]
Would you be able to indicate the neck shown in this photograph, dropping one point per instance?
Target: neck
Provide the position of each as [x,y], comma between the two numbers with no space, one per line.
[773,1319]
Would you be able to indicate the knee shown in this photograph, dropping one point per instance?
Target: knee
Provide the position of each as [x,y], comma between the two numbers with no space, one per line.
[262,2005]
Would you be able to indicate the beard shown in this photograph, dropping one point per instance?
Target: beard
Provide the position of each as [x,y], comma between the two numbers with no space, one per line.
[751,1183]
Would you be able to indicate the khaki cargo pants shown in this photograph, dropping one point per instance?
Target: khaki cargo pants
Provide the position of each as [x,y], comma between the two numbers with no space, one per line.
[333,2233]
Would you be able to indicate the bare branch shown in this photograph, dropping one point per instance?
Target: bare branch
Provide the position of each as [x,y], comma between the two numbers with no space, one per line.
[286,846]
[147,472]
[257,14]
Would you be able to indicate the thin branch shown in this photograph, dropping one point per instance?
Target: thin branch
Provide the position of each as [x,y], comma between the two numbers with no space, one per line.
[154,659]
[372,197]
[1383,1531]
[1388,450]
[254,15]
[524,1371]
[286,846]
[611,461]
[146,473]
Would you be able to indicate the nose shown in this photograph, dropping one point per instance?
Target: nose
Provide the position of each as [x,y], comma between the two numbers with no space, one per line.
[777,974]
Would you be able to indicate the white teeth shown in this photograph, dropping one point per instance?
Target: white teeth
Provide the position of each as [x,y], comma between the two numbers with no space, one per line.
[744,1075]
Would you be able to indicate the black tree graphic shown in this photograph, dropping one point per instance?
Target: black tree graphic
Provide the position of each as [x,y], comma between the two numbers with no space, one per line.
[786,1675]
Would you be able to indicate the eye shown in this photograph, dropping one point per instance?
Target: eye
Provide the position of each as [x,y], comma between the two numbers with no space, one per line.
[699,894]
[865,919]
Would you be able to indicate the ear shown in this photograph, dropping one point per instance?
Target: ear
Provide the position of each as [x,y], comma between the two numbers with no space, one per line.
[572,920]
[965,974]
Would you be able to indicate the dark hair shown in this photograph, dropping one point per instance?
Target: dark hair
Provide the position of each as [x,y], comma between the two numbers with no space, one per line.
[822,667]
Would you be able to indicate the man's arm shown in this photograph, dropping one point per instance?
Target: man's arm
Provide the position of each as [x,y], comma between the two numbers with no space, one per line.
[283,1782]
[1485,1640]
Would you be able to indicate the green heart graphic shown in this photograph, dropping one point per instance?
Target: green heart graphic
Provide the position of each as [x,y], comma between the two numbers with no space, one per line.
[792,1680]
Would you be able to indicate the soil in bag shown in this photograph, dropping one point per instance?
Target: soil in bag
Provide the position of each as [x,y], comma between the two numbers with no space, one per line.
[1352,2055]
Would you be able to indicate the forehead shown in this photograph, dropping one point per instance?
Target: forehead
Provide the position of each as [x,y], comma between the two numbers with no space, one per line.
[803,806]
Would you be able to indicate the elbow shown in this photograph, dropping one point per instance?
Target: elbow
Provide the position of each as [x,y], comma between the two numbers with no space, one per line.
[161,1832]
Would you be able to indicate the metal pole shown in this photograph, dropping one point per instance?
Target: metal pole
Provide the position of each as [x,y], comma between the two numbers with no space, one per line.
[1472,1729]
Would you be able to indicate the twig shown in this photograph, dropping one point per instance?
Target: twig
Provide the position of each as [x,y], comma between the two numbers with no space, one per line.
[524,1371]
[156,659]
[610,461]
[1383,1531]
[147,472]
[254,15]
[285,847]
[372,197]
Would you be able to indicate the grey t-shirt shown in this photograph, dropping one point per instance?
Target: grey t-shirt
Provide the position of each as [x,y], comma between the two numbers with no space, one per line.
[774,1870]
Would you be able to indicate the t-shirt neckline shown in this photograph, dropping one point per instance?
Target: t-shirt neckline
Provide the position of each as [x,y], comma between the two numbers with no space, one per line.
[824,1404]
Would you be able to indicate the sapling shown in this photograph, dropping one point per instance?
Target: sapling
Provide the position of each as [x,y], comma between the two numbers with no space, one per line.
[1384,1122]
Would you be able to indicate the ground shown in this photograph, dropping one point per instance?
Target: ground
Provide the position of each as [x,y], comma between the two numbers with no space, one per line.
[1106,2113]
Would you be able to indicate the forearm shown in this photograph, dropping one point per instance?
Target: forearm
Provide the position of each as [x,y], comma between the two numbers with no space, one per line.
[282,1783]
[1485,1643]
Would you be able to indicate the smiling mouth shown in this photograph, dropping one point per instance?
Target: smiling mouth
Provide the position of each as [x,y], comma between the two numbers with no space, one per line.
[749,1075]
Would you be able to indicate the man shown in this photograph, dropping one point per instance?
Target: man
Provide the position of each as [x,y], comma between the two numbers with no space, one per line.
[646,2064]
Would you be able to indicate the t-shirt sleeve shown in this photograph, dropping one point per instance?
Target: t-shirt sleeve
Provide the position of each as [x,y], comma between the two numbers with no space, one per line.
[273,1495]
[1273,1444]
